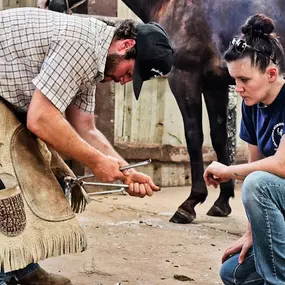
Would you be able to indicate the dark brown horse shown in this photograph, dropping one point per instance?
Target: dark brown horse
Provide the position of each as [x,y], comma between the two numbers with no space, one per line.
[200,31]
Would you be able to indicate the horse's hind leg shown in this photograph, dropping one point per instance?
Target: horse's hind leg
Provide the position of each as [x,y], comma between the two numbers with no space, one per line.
[186,89]
[216,102]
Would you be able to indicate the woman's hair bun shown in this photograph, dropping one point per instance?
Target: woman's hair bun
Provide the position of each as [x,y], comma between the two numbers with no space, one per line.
[258,26]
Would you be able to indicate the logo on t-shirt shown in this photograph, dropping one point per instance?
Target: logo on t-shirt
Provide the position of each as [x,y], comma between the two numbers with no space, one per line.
[276,135]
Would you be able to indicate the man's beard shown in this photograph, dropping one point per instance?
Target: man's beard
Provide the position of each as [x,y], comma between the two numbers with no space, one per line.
[112,62]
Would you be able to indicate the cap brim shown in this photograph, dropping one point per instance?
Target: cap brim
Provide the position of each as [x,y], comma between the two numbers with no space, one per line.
[137,81]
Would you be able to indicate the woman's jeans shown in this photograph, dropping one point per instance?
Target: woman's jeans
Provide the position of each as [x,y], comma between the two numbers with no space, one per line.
[234,273]
[18,274]
[263,196]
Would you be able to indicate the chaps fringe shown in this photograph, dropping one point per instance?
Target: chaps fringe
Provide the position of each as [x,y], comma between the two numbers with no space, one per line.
[16,256]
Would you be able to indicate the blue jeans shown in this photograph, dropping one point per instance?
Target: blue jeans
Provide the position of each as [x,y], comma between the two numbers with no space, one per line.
[263,196]
[234,273]
[18,274]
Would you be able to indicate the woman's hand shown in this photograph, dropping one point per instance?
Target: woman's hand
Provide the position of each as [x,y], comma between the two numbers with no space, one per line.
[216,173]
[242,245]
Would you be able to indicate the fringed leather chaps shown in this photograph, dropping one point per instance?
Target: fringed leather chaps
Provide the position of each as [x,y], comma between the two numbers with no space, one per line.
[36,220]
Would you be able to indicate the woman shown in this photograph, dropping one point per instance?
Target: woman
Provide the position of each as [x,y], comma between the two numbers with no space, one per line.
[256,62]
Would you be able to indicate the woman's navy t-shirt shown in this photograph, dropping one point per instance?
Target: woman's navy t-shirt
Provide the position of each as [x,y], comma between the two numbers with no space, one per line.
[264,126]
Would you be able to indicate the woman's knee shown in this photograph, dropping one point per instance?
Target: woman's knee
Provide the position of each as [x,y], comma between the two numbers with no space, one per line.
[227,270]
[226,275]
[234,273]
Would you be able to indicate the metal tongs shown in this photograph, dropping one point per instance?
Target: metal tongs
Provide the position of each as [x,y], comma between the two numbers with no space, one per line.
[70,182]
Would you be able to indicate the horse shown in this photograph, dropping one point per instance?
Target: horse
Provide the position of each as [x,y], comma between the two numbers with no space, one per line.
[200,31]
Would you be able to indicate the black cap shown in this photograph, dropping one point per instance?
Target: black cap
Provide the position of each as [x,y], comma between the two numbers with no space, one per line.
[154,54]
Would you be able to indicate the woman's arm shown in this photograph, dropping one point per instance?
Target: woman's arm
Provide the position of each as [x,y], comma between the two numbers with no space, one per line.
[217,173]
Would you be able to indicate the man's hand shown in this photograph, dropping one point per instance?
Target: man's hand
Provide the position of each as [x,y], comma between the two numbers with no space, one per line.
[107,169]
[217,173]
[139,183]
[242,245]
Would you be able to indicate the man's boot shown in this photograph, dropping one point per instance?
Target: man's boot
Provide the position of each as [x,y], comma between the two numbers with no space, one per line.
[41,277]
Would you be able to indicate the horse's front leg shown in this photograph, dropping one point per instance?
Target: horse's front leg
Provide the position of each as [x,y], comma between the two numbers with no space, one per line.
[187,91]
[216,100]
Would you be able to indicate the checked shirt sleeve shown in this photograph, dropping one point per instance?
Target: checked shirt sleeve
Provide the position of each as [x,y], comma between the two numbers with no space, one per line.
[67,74]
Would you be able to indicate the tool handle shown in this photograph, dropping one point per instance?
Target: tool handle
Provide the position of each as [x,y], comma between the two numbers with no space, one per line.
[104,184]
[135,165]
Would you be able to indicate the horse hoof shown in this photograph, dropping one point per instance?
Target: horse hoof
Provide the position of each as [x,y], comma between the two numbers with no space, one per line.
[216,211]
[183,217]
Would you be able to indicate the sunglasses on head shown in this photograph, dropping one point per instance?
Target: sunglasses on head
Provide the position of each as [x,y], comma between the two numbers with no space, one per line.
[241,46]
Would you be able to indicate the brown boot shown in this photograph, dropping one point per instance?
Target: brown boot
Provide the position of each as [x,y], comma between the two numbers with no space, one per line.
[41,277]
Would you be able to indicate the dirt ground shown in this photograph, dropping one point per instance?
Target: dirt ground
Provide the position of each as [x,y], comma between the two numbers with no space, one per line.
[131,242]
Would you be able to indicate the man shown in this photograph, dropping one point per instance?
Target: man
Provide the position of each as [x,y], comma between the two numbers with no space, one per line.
[50,64]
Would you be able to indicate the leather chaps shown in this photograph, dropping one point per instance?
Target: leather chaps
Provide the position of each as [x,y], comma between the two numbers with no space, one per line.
[36,220]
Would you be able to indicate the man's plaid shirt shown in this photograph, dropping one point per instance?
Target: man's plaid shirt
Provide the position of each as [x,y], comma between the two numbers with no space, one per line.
[63,56]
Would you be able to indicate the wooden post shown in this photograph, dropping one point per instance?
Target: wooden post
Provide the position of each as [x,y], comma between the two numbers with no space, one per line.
[29,3]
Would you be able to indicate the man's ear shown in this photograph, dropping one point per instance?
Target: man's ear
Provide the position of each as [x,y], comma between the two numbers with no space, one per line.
[272,74]
[125,45]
